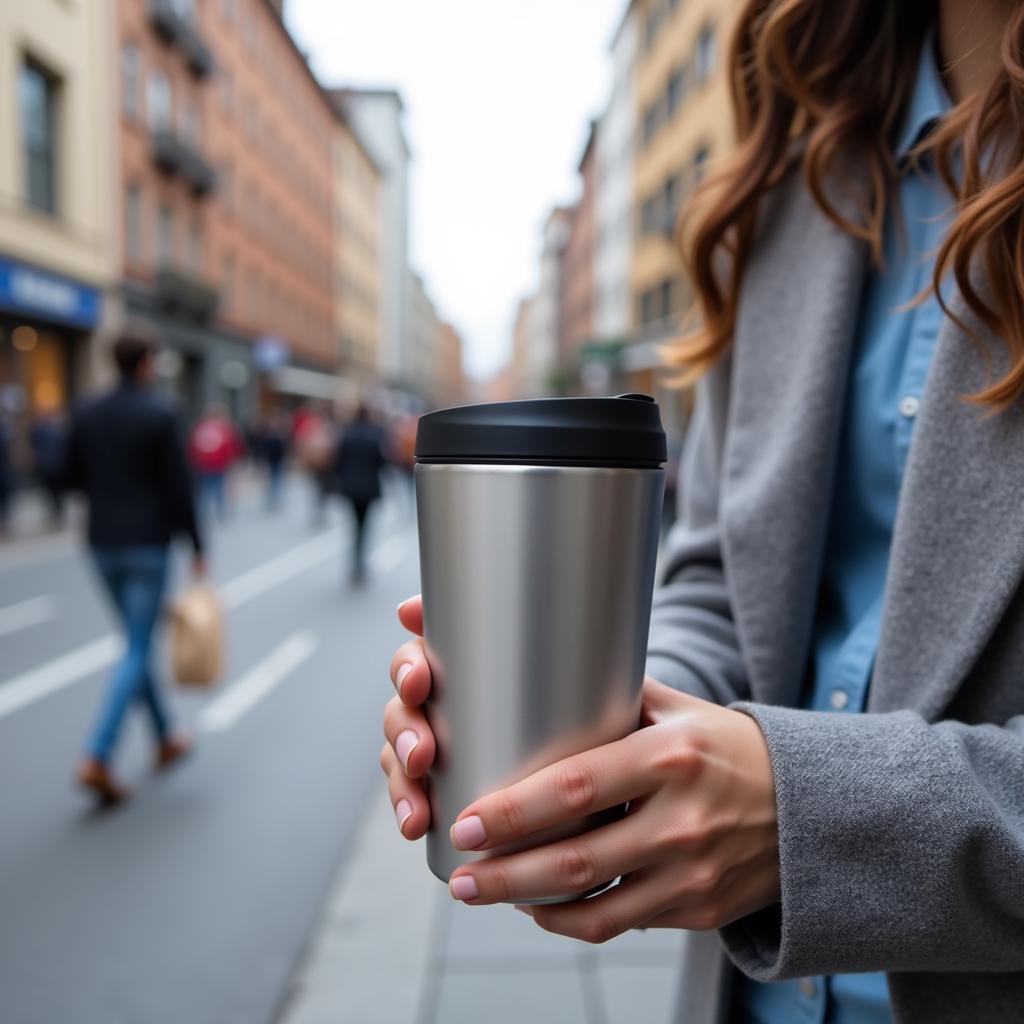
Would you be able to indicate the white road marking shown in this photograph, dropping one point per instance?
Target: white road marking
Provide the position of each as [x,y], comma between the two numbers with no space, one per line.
[27,613]
[225,711]
[40,682]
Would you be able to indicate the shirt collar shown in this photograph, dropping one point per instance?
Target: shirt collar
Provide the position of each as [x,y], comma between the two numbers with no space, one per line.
[929,102]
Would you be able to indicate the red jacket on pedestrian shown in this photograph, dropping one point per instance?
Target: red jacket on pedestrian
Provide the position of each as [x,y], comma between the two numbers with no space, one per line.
[214,445]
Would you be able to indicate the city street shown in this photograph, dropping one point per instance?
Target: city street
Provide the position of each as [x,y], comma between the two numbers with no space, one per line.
[193,901]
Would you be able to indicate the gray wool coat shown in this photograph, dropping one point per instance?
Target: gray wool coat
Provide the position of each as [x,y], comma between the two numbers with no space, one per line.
[901,831]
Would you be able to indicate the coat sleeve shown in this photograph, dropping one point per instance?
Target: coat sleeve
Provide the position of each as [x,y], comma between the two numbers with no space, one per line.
[901,847]
[693,644]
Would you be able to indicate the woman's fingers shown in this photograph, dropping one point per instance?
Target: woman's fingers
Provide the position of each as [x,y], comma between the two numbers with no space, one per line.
[564,791]
[574,865]
[630,904]
[410,673]
[410,614]
[410,737]
[412,811]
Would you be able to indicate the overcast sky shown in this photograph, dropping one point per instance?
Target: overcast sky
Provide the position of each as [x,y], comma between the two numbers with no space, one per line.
[498,100]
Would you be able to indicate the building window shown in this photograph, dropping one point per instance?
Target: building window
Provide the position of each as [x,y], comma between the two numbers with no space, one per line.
[674,93]
[131,80]
[649,217]
[38,101]
[700,163]
[227,91]
[704,60]
[670,199]
[653,26]
[191,126]
[195,248]
[652,119]
[227,284]
[664,303]
[165,236]
[160,101]
[225,186]
[133,225]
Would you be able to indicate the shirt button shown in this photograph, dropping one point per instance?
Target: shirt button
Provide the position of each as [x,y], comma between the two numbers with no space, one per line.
[909,406]
[839,699]
[808,989]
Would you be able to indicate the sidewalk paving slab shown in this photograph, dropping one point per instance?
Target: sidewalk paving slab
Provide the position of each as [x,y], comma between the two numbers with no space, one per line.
[392,947]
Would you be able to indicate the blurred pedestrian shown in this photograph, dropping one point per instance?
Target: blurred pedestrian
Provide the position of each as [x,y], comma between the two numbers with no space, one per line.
[315,439]
[274,435]
[359,464]
[214,447]
[126,454]
[47,437]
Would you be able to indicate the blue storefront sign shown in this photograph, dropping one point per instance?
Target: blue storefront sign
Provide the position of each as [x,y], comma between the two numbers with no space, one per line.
[38,293]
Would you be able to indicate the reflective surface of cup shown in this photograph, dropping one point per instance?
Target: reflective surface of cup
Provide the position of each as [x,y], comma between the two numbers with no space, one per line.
[537,583]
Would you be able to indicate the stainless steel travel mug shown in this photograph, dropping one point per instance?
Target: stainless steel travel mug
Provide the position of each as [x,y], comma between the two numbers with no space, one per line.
[538,529]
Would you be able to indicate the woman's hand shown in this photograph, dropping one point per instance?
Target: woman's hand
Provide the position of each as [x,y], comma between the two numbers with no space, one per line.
[698,849]
[410,748]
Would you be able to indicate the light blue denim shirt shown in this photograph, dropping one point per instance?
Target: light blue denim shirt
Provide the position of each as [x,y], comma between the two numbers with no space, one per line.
[893,350]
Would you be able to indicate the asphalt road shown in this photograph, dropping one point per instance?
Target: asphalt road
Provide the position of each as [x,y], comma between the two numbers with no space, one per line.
[193,901]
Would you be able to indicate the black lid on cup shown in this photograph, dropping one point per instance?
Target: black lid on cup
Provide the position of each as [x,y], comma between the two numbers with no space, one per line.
[615,432]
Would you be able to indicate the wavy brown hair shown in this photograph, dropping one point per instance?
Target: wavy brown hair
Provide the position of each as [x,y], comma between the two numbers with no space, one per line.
[815,82]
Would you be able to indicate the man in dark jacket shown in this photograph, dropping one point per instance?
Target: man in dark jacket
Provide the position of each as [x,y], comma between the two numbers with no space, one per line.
[125,452]
[359,464]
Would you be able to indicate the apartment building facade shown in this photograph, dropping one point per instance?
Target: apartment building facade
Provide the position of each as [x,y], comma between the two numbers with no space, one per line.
[615,138]
[358,185]
[683,120]
[57,194]
[377,115]
[227,201]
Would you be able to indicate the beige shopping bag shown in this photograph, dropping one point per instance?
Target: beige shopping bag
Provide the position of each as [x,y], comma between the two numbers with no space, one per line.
[197,636]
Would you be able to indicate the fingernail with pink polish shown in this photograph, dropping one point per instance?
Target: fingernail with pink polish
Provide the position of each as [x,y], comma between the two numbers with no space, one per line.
[405,743]
[464,888]
[400,675]
[403,811]
[468,833]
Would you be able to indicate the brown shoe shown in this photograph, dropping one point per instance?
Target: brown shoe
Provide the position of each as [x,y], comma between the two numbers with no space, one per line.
[172,750]
[95,776]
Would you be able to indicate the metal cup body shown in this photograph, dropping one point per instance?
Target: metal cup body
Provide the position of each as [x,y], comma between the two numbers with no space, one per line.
[537,585]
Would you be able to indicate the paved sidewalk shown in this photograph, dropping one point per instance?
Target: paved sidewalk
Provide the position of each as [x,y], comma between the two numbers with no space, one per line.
[393,948]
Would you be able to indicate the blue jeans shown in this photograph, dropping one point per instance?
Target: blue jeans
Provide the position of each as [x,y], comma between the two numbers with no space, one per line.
[213,488]
[136,578]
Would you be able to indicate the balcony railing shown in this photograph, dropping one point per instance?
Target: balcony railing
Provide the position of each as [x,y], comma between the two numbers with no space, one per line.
[173,155]
[182,294]
[176,30]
